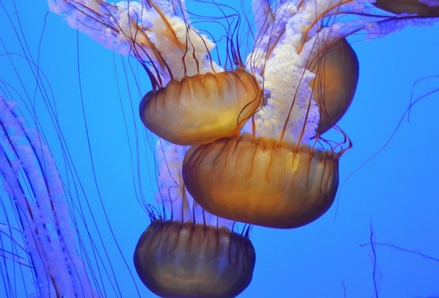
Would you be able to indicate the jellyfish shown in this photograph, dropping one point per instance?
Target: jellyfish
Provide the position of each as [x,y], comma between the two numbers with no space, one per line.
[188,73]
[325,245]
[334,86]
[193,253]
[424,8]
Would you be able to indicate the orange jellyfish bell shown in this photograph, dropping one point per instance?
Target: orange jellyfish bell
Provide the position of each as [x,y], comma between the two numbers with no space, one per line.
[336,69]
[196,102]
[202,108]
[175,259]
[262,181]
[418,7]
[194,253]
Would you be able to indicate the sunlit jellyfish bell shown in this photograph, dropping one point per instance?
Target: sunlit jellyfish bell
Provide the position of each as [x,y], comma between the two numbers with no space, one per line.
[423,8]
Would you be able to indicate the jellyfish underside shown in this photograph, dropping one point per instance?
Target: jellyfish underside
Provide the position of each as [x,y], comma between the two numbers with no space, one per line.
[336,80]
[201,108]
[175,259]
[262,181]
[408,6]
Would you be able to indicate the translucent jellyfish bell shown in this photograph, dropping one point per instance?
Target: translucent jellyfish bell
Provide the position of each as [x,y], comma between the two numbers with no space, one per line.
[202,108]
[175,259]
[422,8]
[334,86]
[193,253]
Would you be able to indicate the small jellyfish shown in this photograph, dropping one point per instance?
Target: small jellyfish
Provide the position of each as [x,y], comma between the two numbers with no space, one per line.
[334,86]
[198,102]
[175,259]
[193,253]
[422,8]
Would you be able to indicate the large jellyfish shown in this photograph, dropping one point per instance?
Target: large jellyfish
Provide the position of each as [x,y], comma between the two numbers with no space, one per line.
[328,249]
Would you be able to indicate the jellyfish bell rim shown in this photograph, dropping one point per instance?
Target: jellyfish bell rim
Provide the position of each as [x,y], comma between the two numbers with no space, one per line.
[408,6]
[335,83]
[262,181]
[202,108]
[183,259]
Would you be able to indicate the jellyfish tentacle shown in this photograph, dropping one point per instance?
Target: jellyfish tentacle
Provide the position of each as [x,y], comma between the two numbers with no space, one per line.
[50,241]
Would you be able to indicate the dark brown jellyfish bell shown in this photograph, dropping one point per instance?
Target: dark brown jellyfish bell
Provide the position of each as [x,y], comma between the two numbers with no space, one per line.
[175,259]
[261,181]
[336,69]
[202,108]
[420,8]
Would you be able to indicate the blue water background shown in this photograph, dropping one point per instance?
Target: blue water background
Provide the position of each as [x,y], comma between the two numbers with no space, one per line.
[395,193]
